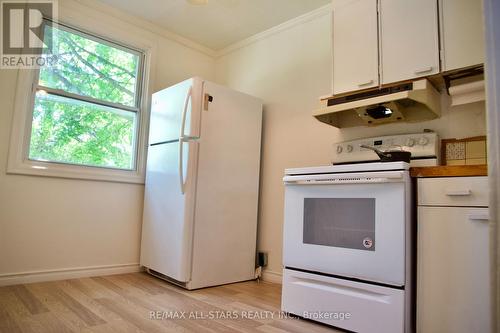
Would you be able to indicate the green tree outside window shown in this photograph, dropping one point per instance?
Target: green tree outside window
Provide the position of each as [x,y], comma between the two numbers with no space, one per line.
[86,104]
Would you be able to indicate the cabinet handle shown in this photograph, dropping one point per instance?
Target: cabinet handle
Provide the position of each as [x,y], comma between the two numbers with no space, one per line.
[423,70]
[458,193]
[365,83]
[479,217]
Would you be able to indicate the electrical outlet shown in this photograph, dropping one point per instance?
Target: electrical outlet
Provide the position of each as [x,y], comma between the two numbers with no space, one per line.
[262,259]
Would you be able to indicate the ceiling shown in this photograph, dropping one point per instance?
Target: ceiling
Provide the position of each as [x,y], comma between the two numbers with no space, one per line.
[220,22]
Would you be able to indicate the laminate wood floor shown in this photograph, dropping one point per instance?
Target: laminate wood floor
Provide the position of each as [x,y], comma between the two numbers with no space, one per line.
[141,303]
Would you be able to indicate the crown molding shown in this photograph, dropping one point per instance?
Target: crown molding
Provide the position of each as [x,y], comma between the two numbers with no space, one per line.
[165,33]
[312,15]
[141,24]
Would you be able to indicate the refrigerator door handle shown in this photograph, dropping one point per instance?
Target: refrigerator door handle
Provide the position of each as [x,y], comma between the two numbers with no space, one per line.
[184,113]
[181,140]
[181,166]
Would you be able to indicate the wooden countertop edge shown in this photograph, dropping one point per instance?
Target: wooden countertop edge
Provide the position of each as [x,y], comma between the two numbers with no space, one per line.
[449,171]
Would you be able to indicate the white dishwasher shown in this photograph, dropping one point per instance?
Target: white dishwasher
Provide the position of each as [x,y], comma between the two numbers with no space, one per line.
[453,265]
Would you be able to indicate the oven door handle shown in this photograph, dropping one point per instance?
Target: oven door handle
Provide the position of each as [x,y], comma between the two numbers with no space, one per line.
[350,178]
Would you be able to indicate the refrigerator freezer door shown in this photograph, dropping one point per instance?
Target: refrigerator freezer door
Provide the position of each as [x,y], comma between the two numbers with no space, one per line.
[168,213]
[167,111]
[227,188]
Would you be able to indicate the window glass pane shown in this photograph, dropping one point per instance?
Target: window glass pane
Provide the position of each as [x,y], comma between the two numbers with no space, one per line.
[91,68]
[71,131]
[340,222]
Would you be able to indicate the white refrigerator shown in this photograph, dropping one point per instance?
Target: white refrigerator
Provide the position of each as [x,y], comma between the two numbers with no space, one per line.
[202,185]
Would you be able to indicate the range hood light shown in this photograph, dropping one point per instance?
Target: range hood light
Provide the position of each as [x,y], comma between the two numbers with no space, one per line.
[379,112]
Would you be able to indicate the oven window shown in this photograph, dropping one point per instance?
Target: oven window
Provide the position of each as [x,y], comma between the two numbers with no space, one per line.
[340,222]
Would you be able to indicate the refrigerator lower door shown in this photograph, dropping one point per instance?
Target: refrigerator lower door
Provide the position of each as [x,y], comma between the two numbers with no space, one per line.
[168,213]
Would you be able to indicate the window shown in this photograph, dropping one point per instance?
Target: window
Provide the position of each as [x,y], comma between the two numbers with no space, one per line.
[86,106]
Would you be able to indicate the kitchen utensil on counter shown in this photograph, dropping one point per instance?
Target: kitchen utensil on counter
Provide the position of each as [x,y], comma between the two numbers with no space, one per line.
[390,155]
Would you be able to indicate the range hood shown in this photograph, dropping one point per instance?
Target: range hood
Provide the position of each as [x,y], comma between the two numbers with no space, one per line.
[407,102]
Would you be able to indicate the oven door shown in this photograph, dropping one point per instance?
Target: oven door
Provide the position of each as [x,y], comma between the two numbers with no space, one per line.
[348,225]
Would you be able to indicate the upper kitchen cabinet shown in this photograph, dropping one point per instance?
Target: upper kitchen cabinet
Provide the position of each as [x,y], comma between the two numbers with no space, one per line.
[462,36]
[355,45]
[409,39]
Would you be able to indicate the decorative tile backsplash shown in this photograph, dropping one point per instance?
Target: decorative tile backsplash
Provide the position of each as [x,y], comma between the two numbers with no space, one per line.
[469,151]
[455,151]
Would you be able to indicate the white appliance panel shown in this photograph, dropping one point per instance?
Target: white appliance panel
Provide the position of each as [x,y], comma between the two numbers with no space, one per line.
[421,145]
[370,308]
[167,111]
[385,203]
[168,213]
[227,188]
[202,200]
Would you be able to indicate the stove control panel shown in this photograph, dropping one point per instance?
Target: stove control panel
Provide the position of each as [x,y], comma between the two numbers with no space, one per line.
[421,146]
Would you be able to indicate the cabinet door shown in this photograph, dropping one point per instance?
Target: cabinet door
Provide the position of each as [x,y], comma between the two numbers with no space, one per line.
[409,39]
[462,35]
[453,277]
[355,46]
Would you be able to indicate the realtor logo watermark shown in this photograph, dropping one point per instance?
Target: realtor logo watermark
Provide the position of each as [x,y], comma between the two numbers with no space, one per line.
[25,40]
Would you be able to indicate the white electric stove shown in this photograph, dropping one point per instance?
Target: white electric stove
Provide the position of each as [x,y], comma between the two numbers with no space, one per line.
[348,237]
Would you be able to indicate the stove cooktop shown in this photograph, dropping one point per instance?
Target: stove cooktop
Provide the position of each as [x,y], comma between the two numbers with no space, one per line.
[347,168]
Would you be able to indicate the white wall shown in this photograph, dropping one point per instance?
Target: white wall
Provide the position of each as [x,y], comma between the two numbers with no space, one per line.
[53,225]
[50,224]
[289,70]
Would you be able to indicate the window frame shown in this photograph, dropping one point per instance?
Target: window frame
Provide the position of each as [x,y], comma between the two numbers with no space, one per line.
[27,87]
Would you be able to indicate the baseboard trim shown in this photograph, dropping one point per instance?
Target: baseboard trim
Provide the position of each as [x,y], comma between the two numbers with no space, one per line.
[271,276]
[67,273]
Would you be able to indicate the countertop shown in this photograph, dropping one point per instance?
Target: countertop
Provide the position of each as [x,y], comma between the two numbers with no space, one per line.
[449,171]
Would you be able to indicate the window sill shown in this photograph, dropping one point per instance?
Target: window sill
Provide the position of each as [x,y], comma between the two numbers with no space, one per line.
[35,168]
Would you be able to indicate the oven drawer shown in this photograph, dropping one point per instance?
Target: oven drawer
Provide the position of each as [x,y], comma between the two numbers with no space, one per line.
[453,191]
[329,300]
